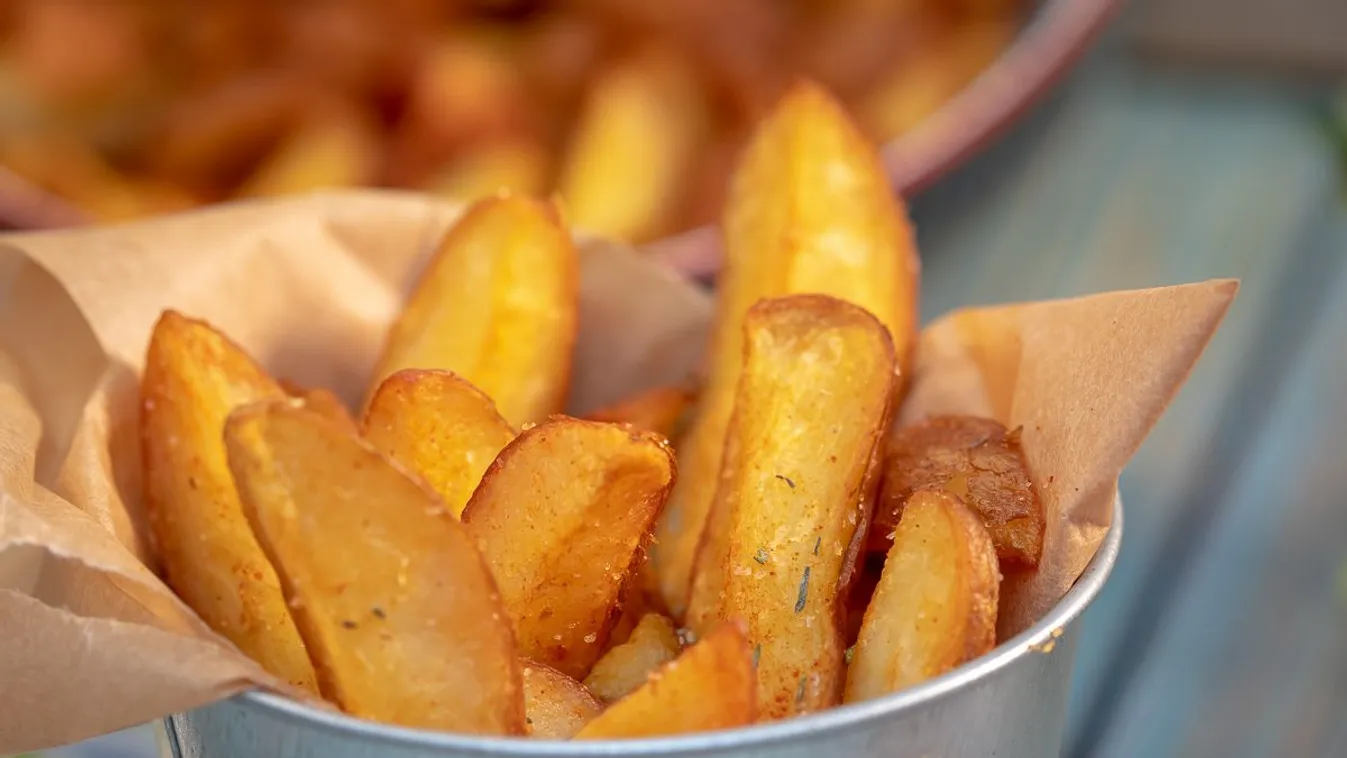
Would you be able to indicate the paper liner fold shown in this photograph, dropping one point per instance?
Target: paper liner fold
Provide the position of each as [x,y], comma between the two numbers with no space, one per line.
[92,639]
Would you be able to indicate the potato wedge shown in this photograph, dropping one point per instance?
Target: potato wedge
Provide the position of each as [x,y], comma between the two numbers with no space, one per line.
[633,143]
[509,165]
[976,459]
[810,210]
[923,79]
[555,705]
[437,425]
[335,149]
[396,605]
[660,410]
[935,606]
[497,305]
[321,401]
[625,667]
[710,686]
[562,516]
[801,464]
[194,376]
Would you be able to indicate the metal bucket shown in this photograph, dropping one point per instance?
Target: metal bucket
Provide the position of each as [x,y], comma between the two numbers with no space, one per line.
[1010,703]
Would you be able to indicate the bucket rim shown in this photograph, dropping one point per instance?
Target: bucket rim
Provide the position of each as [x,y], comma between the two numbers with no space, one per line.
[1038,639]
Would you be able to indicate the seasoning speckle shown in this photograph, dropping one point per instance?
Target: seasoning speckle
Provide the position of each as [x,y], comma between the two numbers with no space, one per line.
[348,624]
[799,690]
[757,654]
[849,654]
[804,591]
[378,612]
[789,482]
[818,542]
[761,556]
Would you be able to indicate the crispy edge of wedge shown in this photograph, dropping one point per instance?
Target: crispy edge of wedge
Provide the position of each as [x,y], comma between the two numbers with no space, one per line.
[366,624]
[711,685]
[936,602]
[438,425]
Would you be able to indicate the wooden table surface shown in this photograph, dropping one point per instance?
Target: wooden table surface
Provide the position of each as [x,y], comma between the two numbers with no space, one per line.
[1223,631]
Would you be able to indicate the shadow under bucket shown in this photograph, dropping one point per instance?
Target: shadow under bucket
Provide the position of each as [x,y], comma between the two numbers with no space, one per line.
[1010,703]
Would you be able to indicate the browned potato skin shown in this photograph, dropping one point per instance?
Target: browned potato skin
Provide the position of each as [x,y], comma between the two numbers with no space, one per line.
[789,520]
[810,209]
[194,376]
[625,667]
[660,410]
[497,305]
[397,607]
[321,401]
[556,705]
[562,516]
[935,606]
[710,686]
[976,459]
[436,424]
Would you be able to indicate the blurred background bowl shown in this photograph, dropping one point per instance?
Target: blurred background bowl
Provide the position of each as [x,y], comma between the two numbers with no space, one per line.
[952,88]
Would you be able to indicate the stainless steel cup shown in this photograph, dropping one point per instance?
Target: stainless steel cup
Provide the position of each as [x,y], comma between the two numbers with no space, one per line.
[1010,703]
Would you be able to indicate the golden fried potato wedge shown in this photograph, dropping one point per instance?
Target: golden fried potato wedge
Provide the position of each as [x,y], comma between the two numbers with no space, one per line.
[810,210]
[801,464]
[335,149]
[439,426]
[505,165]
[556,706]
[497,305]
[633,142]
[710,686]
[194,377]
[660,410]
[922,80]
[935,606]
[976,459]
[562,516]
[321,401]
[625,667]
[396,605]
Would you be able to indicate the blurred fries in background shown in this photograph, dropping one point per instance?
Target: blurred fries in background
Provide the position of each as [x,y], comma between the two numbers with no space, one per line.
[630,111]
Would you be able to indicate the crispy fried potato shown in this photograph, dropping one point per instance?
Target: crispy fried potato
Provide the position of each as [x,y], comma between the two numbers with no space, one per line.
[556,706]
[810,210]
[466,87]
[919,83]
[506,165]
[935,606]
[625,667]
[212,139]
[801,463]
[194,376]
[640,595]
[976,459]
[710,686]
[396,605]
[338,148]
[632,144]
[787,525]
[498,306]
[439,426]
[660,410]
[562,516]
[321,401]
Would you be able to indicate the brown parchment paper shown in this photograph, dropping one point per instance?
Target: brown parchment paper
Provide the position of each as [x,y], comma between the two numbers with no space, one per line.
[91,640]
